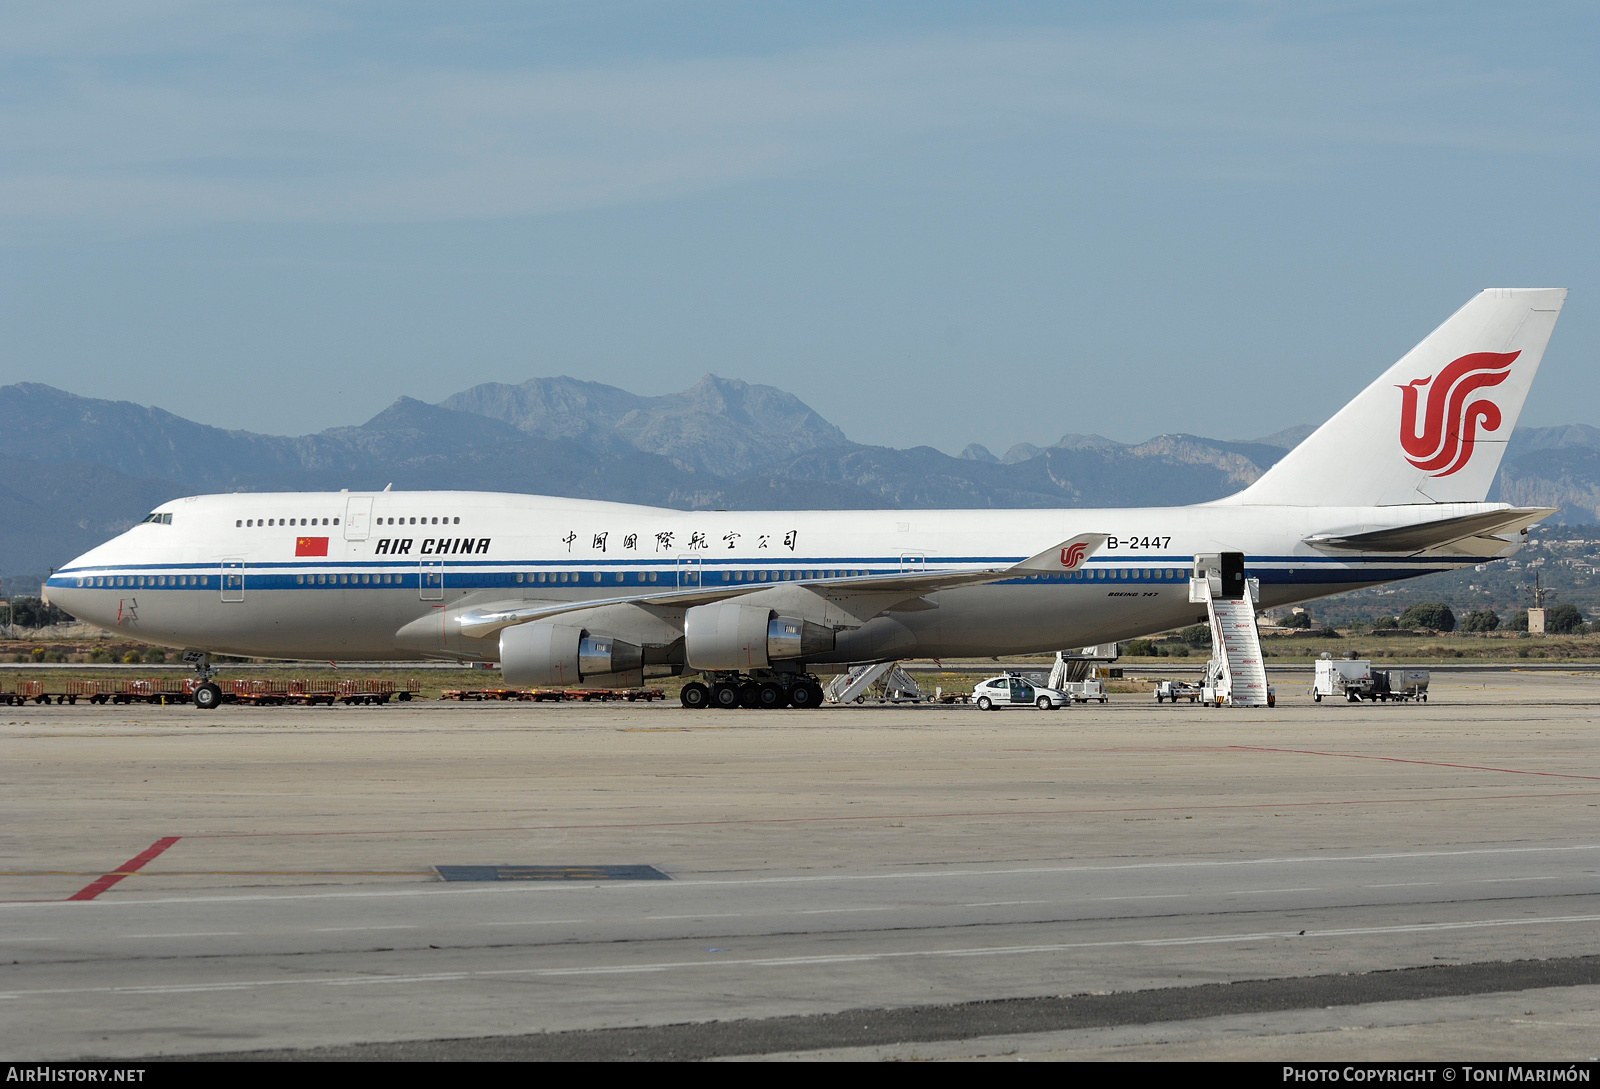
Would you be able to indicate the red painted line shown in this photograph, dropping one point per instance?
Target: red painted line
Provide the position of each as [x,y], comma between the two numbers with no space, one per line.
[127,869]
[1430,763]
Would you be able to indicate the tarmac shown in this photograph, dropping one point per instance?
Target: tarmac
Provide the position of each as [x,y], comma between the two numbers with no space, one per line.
[1329,882]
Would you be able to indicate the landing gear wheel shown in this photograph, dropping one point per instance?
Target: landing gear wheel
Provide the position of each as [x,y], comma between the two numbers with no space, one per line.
[985,703]
[207,697]
[806,694]
[725,695]
[694,695]
[750,695]
[770,697]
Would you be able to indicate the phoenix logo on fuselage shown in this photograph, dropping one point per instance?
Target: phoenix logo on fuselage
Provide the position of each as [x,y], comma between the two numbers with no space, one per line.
[1440,441]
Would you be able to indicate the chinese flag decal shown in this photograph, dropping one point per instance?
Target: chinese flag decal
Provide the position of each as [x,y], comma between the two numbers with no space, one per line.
[311,546]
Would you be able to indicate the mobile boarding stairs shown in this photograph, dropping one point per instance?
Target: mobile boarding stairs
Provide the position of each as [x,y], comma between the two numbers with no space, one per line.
[1236,676]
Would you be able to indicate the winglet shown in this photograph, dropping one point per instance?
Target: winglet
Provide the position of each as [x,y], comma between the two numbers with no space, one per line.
[1069,555]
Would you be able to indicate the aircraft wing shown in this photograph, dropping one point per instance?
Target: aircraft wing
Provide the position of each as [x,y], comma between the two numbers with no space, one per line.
[1440,533]
[888,588]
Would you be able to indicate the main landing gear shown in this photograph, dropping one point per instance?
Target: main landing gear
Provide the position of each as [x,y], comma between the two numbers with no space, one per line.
[764,690]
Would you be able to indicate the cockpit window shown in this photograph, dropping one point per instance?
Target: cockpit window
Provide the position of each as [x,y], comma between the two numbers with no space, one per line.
[157,518]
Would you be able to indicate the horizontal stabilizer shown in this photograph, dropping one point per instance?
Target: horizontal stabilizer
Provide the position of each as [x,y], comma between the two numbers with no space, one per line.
[1435,534]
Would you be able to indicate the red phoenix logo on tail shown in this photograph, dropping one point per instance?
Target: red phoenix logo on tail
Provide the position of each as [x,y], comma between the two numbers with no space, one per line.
[1072,556]
[1448,426]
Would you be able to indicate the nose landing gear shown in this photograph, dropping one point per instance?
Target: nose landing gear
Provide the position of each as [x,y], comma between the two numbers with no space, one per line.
[207,695]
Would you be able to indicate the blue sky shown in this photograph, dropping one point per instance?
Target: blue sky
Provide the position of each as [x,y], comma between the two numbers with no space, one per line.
[936,223]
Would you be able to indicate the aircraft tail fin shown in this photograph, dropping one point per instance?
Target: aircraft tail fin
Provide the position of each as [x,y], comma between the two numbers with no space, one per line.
[1434,427]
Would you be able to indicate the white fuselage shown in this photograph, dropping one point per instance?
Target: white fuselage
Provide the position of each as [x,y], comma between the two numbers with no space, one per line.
[245,573]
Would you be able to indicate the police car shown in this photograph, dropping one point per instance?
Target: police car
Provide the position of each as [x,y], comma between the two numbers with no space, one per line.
[1015,690]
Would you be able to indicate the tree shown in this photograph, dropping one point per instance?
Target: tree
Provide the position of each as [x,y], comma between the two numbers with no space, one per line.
[1481,620]
[1519,620]
[1297,620]
[1196,635]
[1433,614]
[31,612]
[1564,619]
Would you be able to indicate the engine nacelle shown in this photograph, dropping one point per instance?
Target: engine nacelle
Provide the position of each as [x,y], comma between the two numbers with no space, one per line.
[730,635]
[534,654]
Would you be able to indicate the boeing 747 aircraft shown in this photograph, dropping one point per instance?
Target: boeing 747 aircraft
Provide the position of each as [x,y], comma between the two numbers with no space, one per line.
[565,590]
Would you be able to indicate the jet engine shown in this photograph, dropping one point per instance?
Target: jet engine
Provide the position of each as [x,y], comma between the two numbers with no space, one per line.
[730,635]
[535,654]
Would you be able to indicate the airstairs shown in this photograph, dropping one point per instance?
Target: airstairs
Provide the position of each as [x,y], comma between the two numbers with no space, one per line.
[1073,668]
[1236,674]
[895,682]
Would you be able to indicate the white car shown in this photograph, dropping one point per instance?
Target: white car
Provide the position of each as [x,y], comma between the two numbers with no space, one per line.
[1014,690]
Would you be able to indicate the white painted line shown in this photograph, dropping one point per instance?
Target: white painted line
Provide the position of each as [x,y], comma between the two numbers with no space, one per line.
[338,929]
[539,922]
[846,911]
[1149,896]
[1399,885]
[1266,892]
[613,887]
[799,961]
[194,934]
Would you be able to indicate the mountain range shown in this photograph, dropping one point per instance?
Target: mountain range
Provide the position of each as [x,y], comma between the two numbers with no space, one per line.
[78,470]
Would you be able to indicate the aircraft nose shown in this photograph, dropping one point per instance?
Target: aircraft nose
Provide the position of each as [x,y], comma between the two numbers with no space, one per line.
[71,594]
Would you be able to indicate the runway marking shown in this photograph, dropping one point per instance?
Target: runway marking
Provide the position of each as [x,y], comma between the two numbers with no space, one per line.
[551,922]
[1427,763]
[129,869]
[845,911]
[820,960]
[342,929]
[1400,885]
[231,873]
[1265,892]
[1151,896]
[196,934]
[963,814]
[613,888]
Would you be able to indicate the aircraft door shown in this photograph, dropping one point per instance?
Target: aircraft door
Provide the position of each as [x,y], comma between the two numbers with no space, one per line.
[232,580]
[913,563]
[430,579]
[357,517]
[688,572]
